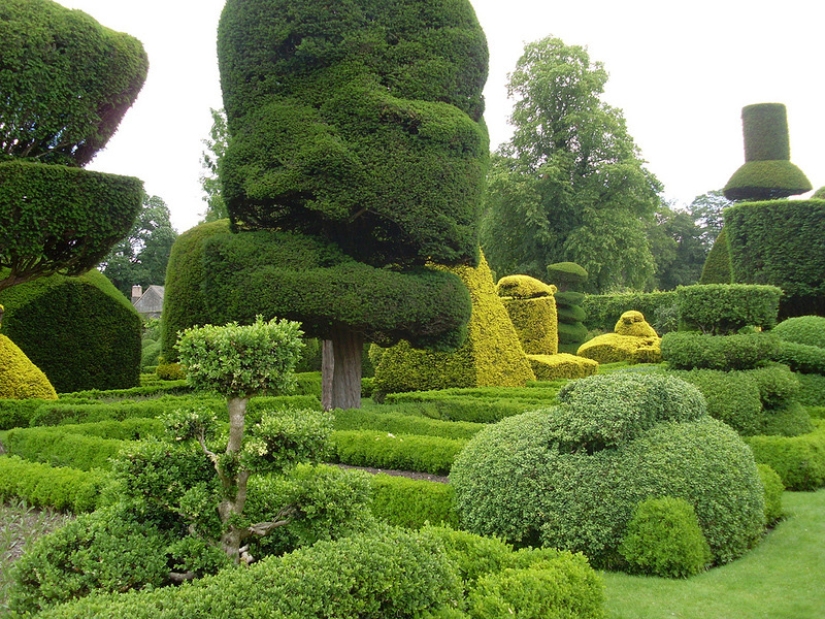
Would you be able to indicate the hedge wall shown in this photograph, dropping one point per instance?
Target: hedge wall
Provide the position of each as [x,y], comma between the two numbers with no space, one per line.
[80,331]
[781,243]
[727,308]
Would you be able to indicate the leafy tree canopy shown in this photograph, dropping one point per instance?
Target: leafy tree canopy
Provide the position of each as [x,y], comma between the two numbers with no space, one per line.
[570,185]
[210,160]
[141,258]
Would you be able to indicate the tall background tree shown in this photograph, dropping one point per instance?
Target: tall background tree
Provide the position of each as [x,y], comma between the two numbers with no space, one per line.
[66,82]
[141,258]
[210,161]
[570,185]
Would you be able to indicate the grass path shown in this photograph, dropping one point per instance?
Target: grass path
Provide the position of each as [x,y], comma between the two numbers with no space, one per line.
[783,578]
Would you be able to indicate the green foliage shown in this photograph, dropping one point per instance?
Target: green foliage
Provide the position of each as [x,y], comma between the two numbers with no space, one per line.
[799,460]
[141,257]
[406,452]
[210,161]
[412,503]
[773,493]
[685,350]
[532,309]
[67,82]
[347,131]
[800,357]
[242,361]
[98,551]
[45,486]
[184,302]
[811,389]
[663,539]
[566,275]
[718,269]
[808,330]
[780,242]
[570,477]
[722,309]
[62,448]
[570,185]
[402,423]
[80,331]
[601,310]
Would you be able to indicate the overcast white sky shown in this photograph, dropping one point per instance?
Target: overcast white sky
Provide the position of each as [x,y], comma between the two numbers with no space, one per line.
[681,72]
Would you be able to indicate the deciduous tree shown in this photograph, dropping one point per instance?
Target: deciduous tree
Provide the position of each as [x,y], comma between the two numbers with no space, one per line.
[570,185]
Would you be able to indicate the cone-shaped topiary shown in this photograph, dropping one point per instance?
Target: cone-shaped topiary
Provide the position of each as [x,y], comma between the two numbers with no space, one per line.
[491,356]
[768,173]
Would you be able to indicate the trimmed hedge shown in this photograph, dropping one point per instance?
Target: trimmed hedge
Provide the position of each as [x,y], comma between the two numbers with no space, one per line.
[532,309]
[62,449]
[81,331]
[811,389]
[799,460]
[781,243]
[685,350]
[399,423]
[405,452]
[722,309]
[562,366]
[45,486]
[773,493]
[412,503]
[800,357]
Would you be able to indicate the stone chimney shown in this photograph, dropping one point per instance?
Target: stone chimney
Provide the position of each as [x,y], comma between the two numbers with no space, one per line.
[137,292]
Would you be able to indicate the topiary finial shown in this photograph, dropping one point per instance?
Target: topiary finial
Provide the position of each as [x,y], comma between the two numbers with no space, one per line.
[768,173]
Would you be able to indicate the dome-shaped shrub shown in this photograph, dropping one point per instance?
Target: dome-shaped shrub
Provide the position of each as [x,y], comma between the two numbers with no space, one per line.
[20,379]
[570,476]
[808,330]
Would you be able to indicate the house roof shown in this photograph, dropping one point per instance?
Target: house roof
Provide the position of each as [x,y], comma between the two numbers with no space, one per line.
[151,301]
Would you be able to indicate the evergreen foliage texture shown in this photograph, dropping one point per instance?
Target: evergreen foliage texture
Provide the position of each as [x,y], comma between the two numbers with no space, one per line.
[781,243]
[66,83]
[81,331]
[613,441]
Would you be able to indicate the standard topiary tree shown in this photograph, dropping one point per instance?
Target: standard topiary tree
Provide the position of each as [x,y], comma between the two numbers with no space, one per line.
[238,363]
[768,173]
[358,135]
[66,84]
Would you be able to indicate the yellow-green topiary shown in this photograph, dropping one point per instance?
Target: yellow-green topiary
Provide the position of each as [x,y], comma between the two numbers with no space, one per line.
[20,379]
[634,341]
[532,310]
[562,365]
[491,356]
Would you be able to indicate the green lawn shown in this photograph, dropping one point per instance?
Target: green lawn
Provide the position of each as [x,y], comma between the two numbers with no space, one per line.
[783,578]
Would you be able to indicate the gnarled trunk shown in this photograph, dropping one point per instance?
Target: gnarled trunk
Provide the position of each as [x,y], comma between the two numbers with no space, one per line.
[347,348]
[232,505]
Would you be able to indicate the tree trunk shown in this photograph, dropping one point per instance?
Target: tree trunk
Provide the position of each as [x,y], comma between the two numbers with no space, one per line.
[327,371]
[230,506]
[347,347]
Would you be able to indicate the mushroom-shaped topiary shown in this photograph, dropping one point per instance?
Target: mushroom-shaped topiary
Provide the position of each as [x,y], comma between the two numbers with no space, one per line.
[571,476]
[768,173]
[633,340]
[532,308]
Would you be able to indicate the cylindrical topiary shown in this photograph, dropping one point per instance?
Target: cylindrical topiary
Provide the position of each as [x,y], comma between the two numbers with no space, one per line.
[767,173]
[532,309]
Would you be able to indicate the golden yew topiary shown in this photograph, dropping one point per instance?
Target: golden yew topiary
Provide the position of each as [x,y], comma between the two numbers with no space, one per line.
[634,340]
[20,379]
[532,309]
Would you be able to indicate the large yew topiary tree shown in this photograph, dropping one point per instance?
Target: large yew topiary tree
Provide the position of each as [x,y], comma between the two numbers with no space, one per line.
[66,83]
[356,132]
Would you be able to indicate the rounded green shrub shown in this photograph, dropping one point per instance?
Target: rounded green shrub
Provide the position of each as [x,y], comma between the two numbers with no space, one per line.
[80,331]
[802,358]
[569,477]
[722,309]
[773,493]
[809,330]
[664,539]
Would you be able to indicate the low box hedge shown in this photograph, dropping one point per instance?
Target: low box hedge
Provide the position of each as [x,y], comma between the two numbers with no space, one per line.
[403,452]
[44,486]
[412,503]
[799,460]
